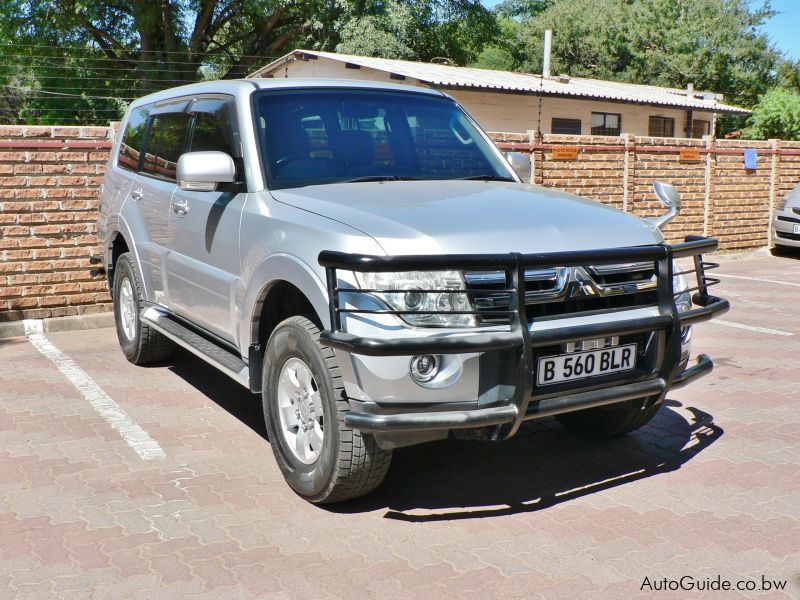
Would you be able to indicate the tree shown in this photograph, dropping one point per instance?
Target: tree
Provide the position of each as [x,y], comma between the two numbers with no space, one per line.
[495,58]
[176,36]
[91,57]
[777,115]
[714,44]
[455,30]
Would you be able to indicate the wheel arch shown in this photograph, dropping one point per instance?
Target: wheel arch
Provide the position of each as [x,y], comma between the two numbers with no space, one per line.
[117,241]
[282,286]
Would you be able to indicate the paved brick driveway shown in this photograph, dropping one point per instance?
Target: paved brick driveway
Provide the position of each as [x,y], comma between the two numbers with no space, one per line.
[711,487]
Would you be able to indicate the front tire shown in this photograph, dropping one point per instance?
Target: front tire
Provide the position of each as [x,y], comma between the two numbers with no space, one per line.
[141,344]
[304,402]
[608,422]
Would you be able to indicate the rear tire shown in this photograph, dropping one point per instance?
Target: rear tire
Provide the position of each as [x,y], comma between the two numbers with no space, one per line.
[608,422]
[141,344]
[321,458]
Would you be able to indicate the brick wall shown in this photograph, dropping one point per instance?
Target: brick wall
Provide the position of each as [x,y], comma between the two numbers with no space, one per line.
[719,196]
[49,183]
[50,178]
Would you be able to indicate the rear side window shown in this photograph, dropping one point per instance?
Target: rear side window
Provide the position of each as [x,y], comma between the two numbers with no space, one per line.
[214,127]
[166,142]
[131,146]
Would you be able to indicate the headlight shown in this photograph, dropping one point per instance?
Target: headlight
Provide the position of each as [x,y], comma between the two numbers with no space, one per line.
[415,298]
[680,285]
[782,203]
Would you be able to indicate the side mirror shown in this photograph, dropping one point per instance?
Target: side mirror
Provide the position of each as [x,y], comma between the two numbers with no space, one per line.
[521,163]
[202,171]
[671,200]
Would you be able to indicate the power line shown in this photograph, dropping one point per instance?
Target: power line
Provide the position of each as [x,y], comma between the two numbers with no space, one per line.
[109,68]
[87,97]
[148,81]
[89,48]
[106,59]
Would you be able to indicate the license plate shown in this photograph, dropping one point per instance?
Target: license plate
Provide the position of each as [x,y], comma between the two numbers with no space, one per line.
[797,229]
[580,365]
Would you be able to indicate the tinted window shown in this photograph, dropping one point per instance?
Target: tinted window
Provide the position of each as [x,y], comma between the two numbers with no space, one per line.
[214,127]
[165,143]
[566,126]
[131,146]
[312,136]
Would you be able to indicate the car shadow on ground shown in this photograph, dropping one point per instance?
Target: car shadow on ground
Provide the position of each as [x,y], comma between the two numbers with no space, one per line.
[220,389]
[541,467]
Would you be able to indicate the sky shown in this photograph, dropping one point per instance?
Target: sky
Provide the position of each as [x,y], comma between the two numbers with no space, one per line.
[782,28]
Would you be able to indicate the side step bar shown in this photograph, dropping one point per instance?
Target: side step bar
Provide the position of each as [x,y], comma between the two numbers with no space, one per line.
[213,354]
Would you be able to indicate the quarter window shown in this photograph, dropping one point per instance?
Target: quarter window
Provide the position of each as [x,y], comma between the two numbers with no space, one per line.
[131,145]
[661,127]
[566,126]
[214,127]
[165,143]
[606,123]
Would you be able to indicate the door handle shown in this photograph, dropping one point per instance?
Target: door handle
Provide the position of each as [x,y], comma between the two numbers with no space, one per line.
[137,195]
[180,207]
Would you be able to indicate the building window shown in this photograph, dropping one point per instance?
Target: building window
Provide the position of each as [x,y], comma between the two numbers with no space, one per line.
[566,126]
[661,127]
[606,123]
[700,128]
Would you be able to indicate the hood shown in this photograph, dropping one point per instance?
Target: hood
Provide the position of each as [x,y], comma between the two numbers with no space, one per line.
[460,217]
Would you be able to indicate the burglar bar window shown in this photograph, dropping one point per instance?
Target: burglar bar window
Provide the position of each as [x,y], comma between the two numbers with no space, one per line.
[606,123]
[566,126]
[661,127]
[700,128]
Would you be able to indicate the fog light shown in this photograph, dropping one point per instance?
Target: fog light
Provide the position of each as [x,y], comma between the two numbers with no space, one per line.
[424,368]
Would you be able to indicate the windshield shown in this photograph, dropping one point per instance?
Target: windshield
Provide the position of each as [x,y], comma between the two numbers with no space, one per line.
[316,136]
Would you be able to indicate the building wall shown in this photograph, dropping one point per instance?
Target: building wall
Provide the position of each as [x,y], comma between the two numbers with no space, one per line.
[50,179]
[498,111]
[502,111]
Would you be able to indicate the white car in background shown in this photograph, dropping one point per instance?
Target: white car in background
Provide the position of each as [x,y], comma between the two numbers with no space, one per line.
[786,222]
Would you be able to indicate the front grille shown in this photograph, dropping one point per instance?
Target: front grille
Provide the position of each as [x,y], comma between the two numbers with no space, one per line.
[555,292]
[788,236]
[788,219]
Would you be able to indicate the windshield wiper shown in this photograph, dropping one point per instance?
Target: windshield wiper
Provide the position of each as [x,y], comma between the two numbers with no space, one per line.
[369,178]
[487,178]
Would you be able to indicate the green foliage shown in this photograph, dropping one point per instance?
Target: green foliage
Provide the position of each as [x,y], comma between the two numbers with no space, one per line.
[789,75]
[714,44]
[777,115]
[492,57]
[79,61]
[455,30]
[83,60]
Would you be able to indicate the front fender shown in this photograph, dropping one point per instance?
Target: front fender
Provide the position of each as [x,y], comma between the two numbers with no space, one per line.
[280,267]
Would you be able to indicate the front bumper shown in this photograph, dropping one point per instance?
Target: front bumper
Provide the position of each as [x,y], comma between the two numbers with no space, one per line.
[518,344]
[783,225]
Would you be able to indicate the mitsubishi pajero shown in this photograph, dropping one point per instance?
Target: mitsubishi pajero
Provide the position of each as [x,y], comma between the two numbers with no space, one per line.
[363,257]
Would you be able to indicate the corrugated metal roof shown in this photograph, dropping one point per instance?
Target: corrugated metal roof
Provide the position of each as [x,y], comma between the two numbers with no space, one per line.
[485,79]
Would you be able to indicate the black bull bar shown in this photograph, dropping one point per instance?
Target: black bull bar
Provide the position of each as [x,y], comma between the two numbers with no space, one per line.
[523,404]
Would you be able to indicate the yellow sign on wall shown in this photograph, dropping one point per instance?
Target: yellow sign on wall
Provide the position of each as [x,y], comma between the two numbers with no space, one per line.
[689,155]
[565,153]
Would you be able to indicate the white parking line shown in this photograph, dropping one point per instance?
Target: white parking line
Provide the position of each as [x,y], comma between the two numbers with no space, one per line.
[136,437]
[775,281]
[751,327]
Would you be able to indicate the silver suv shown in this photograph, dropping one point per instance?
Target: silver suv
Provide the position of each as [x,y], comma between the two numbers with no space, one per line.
[362,256]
